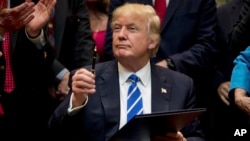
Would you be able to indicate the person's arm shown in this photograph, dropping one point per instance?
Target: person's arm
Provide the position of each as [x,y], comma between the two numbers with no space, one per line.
[39,41]
[84,47]
[240,82]
[41,15]
[240,75]
[201,52]
[82,84]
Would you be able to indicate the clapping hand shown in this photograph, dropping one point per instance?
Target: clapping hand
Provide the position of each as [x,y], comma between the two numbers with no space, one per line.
[12,19]
[41,15]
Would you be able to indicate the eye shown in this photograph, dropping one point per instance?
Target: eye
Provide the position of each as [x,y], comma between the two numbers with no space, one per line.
[132,28]
[116,28]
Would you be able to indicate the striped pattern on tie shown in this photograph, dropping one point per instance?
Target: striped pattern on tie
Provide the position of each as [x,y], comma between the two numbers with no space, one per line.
[134,99]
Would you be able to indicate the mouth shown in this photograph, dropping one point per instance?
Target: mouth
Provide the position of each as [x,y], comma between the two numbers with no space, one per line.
[121,46]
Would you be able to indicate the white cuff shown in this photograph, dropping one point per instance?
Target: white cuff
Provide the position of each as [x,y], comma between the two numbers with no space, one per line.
[72,111]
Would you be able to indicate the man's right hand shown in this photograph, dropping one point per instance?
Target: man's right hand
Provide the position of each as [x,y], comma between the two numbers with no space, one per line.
[83,84]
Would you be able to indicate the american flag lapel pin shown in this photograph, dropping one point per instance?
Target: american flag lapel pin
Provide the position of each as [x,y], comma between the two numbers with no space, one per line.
[163,90]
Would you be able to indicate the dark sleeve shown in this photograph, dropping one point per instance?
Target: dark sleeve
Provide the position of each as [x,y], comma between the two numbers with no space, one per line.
[60,119]
[203,49]
[84,44]
[84,48]
[241,32]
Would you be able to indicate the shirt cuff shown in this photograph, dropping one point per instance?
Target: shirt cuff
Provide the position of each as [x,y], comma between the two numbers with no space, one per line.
[71,111]
[39,41]
[60,75]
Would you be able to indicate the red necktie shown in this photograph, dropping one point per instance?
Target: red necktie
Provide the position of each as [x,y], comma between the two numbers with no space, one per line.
[1,110]
[9,84]
[160,8]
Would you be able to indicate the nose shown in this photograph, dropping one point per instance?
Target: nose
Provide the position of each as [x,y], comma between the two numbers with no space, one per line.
[122,34]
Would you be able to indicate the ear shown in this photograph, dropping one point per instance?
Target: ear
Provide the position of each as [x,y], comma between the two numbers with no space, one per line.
[152,43]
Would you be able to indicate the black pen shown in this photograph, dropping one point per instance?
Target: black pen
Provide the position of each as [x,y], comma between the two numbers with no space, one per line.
[93,61]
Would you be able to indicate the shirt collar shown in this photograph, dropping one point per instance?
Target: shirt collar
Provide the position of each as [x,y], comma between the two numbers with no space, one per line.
[144,74]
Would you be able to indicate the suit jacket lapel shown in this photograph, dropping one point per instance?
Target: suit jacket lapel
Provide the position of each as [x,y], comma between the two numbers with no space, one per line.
[161,90]
[60,18]
[172,6]
[110,91]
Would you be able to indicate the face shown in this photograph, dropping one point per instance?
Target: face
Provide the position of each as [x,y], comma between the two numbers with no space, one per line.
[131,39]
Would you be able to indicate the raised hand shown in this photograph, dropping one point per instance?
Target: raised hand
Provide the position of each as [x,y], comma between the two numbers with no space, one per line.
[83,84]
[41,15]
[12,19]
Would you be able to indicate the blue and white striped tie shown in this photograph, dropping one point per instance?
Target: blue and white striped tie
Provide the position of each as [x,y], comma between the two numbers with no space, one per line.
[134,99]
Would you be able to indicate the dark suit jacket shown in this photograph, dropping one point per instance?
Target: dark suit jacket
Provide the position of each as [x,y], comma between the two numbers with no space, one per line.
[73,37]
[31,74]
[99,119]
[187,34]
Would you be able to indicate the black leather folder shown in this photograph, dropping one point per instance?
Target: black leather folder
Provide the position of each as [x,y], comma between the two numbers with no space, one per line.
[144,127]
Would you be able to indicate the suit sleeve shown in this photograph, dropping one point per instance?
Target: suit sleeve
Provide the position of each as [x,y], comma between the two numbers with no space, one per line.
[203,49]
[84,48]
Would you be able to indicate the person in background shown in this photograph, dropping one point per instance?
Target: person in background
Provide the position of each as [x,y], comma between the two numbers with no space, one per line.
[188,42]
[98,13]
[87,109]
[70,35]
[30,61]
[229,22]
[27,9]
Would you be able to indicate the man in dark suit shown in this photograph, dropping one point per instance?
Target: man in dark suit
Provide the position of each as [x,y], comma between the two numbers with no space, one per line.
[73,42]
[31,62]
[96,106]
[188,41]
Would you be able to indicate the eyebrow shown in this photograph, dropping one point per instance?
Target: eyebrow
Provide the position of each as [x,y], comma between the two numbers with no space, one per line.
[128,25]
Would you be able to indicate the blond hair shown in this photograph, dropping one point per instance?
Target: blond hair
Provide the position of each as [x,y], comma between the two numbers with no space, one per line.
[144,11]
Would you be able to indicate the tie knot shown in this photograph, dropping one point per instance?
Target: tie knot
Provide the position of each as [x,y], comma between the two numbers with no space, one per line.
[133,78]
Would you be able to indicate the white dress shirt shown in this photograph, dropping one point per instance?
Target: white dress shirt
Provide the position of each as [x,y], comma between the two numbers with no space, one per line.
[144,85]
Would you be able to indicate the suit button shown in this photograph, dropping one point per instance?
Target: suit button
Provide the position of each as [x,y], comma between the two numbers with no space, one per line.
[1,68]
